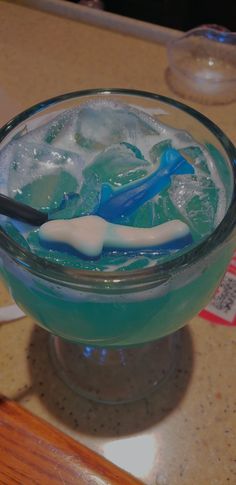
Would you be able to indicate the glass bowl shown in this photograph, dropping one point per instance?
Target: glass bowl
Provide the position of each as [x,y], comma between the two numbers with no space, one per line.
[114,334]
[202,65]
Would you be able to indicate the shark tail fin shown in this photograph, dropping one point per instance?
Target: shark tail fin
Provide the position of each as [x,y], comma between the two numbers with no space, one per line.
[174,163]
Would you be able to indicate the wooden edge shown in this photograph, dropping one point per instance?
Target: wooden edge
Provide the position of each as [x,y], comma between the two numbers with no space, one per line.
[33,451]
[104,19]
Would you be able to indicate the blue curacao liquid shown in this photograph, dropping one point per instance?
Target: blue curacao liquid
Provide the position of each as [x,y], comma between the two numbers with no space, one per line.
[83,159]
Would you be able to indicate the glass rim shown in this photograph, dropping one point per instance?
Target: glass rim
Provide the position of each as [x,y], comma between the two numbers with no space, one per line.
[68,275]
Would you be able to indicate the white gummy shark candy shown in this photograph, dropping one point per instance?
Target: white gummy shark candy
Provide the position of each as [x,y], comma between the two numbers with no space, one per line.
[90,234]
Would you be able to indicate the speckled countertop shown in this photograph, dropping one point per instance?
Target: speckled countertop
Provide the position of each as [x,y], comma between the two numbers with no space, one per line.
[186,433]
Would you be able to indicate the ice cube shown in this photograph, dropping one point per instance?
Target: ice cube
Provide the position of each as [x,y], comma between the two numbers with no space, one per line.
[196,155]
[158,149]
[196,198]
[40,174]
[93,126]
[47,192]
[118,165]
[101,124]
[61,132]
[68,206]
[154,212]
[74,204]
[49,129]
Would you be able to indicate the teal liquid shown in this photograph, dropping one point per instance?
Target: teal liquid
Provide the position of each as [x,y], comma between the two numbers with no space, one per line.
[118,321]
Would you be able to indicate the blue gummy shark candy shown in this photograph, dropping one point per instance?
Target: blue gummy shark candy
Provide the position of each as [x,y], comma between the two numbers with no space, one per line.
[116,203]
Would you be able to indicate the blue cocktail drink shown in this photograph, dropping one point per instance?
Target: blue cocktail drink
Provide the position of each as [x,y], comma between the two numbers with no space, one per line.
[152,182]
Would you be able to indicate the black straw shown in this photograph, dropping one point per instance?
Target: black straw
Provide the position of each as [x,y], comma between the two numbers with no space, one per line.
[17,210]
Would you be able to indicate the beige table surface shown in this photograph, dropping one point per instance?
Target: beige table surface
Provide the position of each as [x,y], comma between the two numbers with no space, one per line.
[186,433]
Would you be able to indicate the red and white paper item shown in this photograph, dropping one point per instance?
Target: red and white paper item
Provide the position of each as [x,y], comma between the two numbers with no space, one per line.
[222,308]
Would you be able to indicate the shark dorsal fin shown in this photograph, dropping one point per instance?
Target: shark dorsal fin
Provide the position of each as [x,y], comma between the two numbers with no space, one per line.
[174,163]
